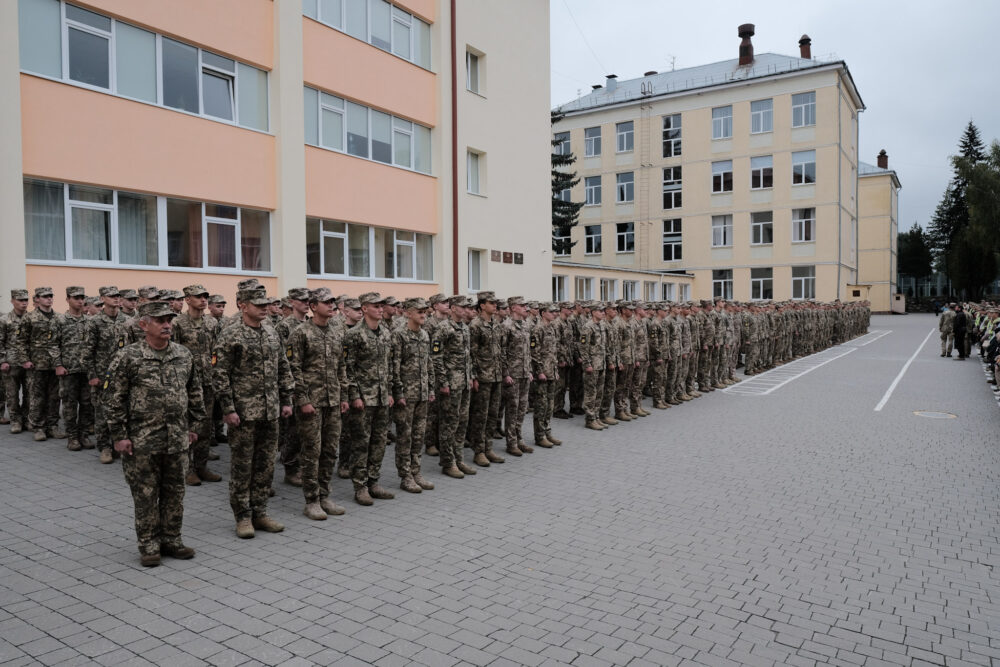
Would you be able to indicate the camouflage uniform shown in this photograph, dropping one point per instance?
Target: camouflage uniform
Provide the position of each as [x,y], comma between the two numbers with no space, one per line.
[289,443]
[77,408]
[15,386]
[544,362]
[431,325]
[516,359]
[151,397]
[413,380]
[485,347]
[613,359]
[198,336]
[452,369]
[658,337]
[626,347]
[593,350]
[640,336]
[37,341]
[101,343]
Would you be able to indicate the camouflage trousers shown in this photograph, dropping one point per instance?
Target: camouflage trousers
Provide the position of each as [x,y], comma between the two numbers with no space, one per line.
[559,391]
[623,387]
[411,427]
[658,374]
[691,374]
[319,435]
[673,376]
[947,342]
[102,433]
[483,411]
[431,432]
[77,408]
[593,394]
[575,380]
[253,446]
[608,396]
[367,430]
[515,398]
[705,368]
[541,406]
[289,444]
[198,452]
[157,484]
[43,392]
[16,390]
[638,383]
[721,363]
[453,417]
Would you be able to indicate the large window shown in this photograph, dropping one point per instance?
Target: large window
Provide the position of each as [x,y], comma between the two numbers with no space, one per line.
[672,135]
[592,141]
[803,167]
[761,228]
[668,291]
[559,288]
[649,288]
[630,289]
[472,72]
[584,288]
[803,225]
[761,116]
[341,125]
[761,172]
[624,133]
[340,250]
[592,239]
[625,236]
[722,284]
[609,289]
[86,225]
[475,270]
[473,172]
[92,50]
[804,109]
[803,282]
[722,122]
[563,240]
[626,187]
[391,28]
[592,189]
[722,176]
[761,284]
[722,231]
[671,187]
[562,145]
[672,240]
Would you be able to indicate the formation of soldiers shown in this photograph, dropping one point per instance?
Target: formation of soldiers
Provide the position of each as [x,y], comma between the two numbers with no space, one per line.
[314,378]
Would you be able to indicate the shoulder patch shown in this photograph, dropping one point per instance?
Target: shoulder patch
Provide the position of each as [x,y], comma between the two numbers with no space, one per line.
[121,342]
[345,351]
[215,359]
[583,338]
[436,346]
[288,351]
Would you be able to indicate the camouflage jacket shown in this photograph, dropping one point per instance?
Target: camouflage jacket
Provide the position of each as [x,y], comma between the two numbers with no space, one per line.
[613,353]
[198,336]
[71,330]
[640,338]
[101,343]
[626,340]
[486,348]
[687,340]
[250,373]
[316,358]
[368,354]
[286,326]
[412,369]
[8,327]
[152,397]
[516,357]
[450,355]
[37,340]
[593,345]
[544,354]
[657,340]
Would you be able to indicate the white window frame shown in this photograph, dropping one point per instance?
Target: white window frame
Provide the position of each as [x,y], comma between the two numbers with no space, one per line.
[719,171]
[804,225]
[583,288]
[345,236]
[622,238]
[722,231]
[801,162]
[630,289]
[673,238]
[112,209]
[205,68]
[722,122]
[757,227]
[668,291]
[591,144]
[472,65]
[565,252]
[674,142]
[398,243]
[722,287]
[759,286]
[472,164]
[625,189]
[609,289]
[592,190]
[590,241]
[649,289]
[762,118]
[804,112]
[397,14]
[68,23]
[477,284]
[564,145]
[206,220]
[685,292]
[559,288]
[625,136]
[672,188]
[759,170]
[804,286]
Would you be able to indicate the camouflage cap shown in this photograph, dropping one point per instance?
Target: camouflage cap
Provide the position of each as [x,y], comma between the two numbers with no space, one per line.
[246,284]
[246,295]
[343,297]
[502,304]
[19,294]
[195,290]
[217,299]
[552,307]
[149,292]
[91,301]
[485,296]
[43,291]
[286,302]
[533,305]
[458,300]
[75,290]
[108,290]
[156,309]
[351,302]
[566,305]
[625,304]
[129,294]
[391,301]
[416,302]
[303,294]
[319,295]
[172,294]
[435,299]
[371,298]
[515,301]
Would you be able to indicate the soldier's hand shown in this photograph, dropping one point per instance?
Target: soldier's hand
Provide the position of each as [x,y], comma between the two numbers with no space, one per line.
[431,397]
[562,364]
[621,367]
[286,411]
[401,402]
[358,404]
[27,365]
[637,364]
[659,362]
[392,402]
[588,369]
[444,391]
[344,407]
[60,370]
[4,367]
[475,385]
[192,437]
[508,380]
[307,409]
[542,377]
[94,382]
[531,377]
[124,446]
[232,419]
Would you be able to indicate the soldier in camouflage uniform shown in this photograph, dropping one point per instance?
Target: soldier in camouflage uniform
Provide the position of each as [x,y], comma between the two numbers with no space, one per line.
[414,390]
[74,392]
[517,377]
[545,368]
[349,314]
[197,333]
[36,349]
[640,336]
[217,307]
[129,302]
[626,355]
[453,375]
[315,351]
[15,387]
[253,384]
[288,438]
[659,354]
[593,350]
[485,342]
[101,341]
[567,360]
[153,396]
[439,315]
[368,354]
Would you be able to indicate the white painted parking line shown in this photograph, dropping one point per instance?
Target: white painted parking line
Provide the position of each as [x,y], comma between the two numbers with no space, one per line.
[772,380]
[892,387]
[880,334]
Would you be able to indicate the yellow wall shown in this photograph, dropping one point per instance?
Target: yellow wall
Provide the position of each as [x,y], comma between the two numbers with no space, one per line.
[878,232]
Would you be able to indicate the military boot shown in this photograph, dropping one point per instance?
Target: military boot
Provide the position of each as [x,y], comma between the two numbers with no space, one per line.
[481,460]
[293,478]
[432,450]
[40,435]
[6,420]
[622,417]
[56,434]
[409,485]
[453,471]
[207,475]
[212,456]
[609,420]
[577,411]
[73,445]
[562,414]
[149,560]
[595,425]
[331,508]
[551,438]
[107,456]
[244,529]
[314,511]
[178,551]
[344,472]
[16,428]
[267,524]
[423,483]
[379,493]
[465,468]
[513,450]
[493,458]
[525,447]
[542,441]
[661,405]
[191,478]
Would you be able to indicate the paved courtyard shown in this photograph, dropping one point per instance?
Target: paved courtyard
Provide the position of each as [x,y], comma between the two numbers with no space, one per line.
[783,521]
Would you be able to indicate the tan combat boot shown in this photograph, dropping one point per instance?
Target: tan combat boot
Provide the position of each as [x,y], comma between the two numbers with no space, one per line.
[40,435]
[493,457]
[609,420]
[513,450]
[267,524]
[465,468]
[314,511]
[331,508]
[244,529]
[191,478]
[542,440]
[481,460]
[344,473]
[178,551]
[409,485]
[361,496]
[453,471]
[422,483]
[622,417]
[378,492]
[207,475]
[595,426]
[73,445]
[551,438]
[294,478]
[525,447]
[432,450]
[107,456]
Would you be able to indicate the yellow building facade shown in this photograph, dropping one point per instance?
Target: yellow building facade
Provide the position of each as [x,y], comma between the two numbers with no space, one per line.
[878,225]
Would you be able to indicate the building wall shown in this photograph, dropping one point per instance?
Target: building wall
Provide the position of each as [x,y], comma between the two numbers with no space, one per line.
[647,285]
[878,233]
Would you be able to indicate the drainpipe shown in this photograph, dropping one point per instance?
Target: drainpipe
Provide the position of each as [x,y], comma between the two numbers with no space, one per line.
[840,204]
[454,155]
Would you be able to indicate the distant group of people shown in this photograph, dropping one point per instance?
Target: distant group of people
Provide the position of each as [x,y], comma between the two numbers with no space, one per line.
[963,325]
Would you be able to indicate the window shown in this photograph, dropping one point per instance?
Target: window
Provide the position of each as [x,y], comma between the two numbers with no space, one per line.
[803,167]
[218,76]
[220,226]
[473,172]
[671,187]
[609,289]
[584,288]
[672,240]
[402,143]
[561,145]
[649,290]
[40,32]
[138,241]
[722,284]
[88,47]
[184,233]
[722,231]
[761,116]
[722,176]
[630,289]
[804,109]
[380,14]
[672,135]
[592,142]
[395,254]
[803,225]
[475,270]
[722,122]
[685,292]
[381,128]
[625,136]
[592,239]
[592,188]
[44,220]
[403,35]
[761,284]
[559,288]
[135,59]
[625,233]
[357,130]
[761,172]
[626,187]
[471,72]
[563,241]
[761,228]
[803,282]
[668,291]
[356,18]
[180,75]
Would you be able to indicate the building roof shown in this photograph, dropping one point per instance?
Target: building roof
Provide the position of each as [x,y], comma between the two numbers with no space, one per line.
[867,169]
[699,77]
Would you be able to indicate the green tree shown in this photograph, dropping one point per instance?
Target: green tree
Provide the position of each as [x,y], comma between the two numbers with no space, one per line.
[565,212]
[973,255]
[913,252]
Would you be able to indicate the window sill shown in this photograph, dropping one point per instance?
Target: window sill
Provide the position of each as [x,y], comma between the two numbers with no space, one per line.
[802,185]
[762,245]
[768,189]
[366,159]
[411,281]
[802,127]
[469,90]
[476,194]
[762,132]
[722,247]
[592,254]
[346,34]
[722,138]
[624,203]
[625,252]
[802,242]
[722,192]
[143,267]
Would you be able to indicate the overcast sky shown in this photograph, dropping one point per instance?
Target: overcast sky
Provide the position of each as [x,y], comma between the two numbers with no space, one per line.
[923,69]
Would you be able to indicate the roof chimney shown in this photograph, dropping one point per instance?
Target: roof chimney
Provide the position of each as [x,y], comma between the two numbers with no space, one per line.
[883,159]
[746,47]
[612,83]
[805,47]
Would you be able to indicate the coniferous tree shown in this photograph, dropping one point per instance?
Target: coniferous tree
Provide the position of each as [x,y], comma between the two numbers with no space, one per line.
[564,211]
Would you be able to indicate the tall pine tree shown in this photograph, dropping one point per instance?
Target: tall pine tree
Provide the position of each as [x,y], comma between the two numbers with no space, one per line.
[565,212]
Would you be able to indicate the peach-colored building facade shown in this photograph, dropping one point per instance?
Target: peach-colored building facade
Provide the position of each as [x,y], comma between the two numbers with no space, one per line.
[205,142]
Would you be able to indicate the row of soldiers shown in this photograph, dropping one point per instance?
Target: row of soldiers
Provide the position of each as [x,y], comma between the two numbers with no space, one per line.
[459,376]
